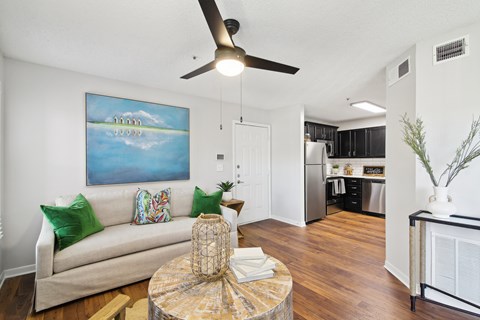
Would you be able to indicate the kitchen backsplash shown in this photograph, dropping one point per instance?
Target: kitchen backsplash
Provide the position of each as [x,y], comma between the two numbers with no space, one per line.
[357,164]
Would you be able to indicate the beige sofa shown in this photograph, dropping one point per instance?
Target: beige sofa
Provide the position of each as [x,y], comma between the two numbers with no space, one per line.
[119,255]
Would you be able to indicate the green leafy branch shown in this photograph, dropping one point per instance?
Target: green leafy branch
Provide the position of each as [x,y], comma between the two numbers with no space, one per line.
[468,150]
[414,136]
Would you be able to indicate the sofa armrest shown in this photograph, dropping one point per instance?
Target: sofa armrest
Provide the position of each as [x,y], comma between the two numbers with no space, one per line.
[44,251]
[230,216]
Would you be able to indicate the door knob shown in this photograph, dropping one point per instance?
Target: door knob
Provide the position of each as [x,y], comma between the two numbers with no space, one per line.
[239,181]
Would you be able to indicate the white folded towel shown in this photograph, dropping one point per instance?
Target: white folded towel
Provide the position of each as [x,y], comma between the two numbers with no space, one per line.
[341,188]
[335,187]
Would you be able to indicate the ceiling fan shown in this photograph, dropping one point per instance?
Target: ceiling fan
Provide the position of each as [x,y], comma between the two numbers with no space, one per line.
[230,60]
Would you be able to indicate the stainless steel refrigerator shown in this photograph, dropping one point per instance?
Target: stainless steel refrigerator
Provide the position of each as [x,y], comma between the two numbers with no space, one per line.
[315,181]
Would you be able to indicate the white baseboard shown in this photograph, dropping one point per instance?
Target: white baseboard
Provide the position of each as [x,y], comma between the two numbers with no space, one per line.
[397,273]
[2,279]
[251,221]
[10,273]
[289,221]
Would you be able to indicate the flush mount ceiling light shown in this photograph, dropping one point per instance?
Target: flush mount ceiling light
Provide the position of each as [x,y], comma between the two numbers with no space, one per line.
[230,61]
[368,106]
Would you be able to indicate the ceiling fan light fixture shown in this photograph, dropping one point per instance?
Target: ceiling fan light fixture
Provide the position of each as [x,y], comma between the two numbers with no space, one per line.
[368,106]
[230,67]
[230,61]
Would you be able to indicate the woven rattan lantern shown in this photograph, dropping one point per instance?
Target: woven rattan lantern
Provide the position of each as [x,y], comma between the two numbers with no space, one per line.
[210,247]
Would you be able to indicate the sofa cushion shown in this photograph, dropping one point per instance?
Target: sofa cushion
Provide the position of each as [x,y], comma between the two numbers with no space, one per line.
[181,201]
[117,207]
[152,208]
[123,239]
[72,223]
[111,208]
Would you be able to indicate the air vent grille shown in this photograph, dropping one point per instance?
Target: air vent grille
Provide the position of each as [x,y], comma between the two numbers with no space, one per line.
[450,50]
[456,266]
[399,71]
[403,68]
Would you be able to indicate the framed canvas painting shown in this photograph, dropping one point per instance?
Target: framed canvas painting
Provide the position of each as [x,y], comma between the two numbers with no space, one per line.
[135,141]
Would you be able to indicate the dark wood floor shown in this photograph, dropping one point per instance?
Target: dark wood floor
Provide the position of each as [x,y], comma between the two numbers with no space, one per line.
[336,264]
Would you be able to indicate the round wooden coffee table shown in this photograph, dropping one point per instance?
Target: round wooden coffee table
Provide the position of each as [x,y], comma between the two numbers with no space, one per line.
[175,293]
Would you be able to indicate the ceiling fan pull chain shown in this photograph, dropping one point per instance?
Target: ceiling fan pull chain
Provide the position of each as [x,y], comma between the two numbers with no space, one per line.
[221,102]
[241,97]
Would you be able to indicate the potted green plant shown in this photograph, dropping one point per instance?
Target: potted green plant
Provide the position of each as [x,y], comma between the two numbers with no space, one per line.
[440,204]
[226,187]
[335,168]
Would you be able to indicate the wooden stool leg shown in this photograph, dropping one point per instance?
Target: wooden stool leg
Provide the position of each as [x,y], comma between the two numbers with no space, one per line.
[114,309]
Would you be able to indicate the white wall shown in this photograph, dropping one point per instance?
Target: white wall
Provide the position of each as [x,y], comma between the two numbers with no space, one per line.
[445,96]
[287,165]
[400,166]
[317,120]
[362,123]
[45,144]
[1,160]
[447,100]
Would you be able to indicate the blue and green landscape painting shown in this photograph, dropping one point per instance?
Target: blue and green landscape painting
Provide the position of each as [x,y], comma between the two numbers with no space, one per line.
[134,141]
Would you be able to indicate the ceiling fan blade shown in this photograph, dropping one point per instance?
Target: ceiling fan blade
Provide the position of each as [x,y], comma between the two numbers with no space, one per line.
[216,24]
[259,63]
[209,66]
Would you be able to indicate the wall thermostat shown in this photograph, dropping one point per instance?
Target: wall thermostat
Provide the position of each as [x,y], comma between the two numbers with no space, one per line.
[220,156]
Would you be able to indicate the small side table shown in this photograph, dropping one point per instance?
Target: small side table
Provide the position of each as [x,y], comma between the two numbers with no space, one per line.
[236,205]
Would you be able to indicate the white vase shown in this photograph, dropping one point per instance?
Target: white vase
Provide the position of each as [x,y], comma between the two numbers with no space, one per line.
[440,203]
[227,196]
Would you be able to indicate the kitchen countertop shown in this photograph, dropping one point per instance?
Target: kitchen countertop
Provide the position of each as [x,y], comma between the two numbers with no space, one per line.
[354,176]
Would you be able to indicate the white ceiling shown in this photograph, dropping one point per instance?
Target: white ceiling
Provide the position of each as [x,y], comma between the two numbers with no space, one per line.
[340,46]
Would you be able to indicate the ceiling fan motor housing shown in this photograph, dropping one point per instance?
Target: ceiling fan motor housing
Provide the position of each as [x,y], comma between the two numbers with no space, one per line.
[224,53]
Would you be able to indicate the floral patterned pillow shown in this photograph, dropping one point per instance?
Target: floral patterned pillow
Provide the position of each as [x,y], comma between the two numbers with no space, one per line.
[152,209]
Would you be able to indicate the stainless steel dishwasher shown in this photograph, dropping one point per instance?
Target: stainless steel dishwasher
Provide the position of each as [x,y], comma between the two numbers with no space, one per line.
[373,195]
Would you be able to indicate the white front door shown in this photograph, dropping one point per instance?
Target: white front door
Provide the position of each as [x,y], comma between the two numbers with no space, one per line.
[252,171]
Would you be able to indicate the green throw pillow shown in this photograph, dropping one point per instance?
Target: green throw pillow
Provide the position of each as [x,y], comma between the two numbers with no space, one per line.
[203,203]
[73,223]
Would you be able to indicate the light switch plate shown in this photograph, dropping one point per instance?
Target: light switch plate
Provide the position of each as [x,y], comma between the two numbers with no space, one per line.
[219,167]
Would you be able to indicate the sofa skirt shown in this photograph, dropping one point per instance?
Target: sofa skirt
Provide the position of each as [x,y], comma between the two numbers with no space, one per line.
[104,275]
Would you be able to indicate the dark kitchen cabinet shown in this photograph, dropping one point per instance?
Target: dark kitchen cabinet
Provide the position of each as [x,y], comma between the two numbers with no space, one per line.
[352,143]
[324,132]
[343,144]
[376,142]
[331,133]
[310,129]
[361,143]
[320,131]
[353,195]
